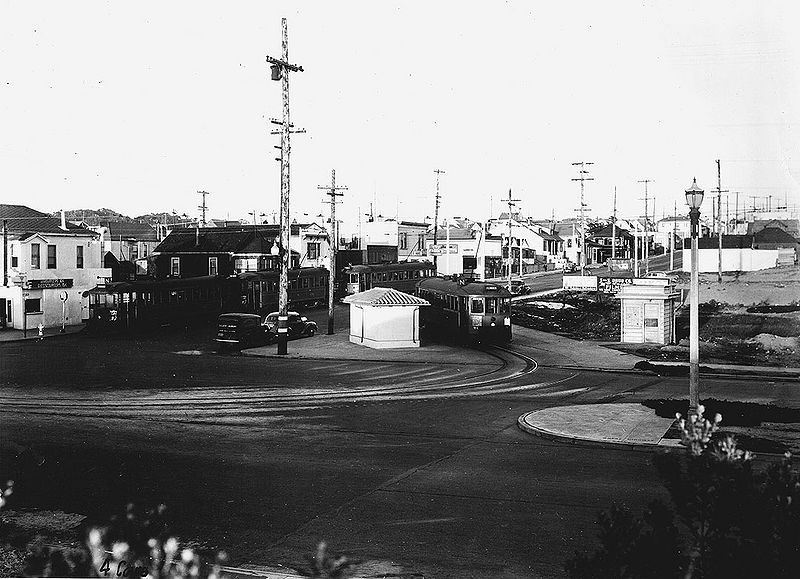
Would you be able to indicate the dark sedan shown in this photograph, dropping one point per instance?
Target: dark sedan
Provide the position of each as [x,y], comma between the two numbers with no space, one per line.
[299,326]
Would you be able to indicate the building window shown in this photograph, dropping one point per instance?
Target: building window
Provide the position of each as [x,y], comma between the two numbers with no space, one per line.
[134,252]
[175,266]
[79,258]
[312,251]
[35,256]
[14,258]
[212,266]
[33,305]
[421,241]
[51,257]
[403,240]
[144,250]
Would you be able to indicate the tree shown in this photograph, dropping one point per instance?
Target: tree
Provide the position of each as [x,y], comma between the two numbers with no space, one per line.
[728,519]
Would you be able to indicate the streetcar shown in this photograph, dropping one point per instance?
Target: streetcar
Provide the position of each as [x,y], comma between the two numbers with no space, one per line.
[308,287]
[148,303]
[151,303]
[470,310]
[400,276]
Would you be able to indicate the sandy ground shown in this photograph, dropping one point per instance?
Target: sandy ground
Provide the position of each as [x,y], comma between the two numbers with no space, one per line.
[776,286]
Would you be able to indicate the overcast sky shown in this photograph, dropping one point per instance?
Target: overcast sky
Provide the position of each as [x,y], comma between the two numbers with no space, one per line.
[136,106]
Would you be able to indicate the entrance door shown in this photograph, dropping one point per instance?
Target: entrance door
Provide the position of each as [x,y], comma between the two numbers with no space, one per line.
[653,333]
[3,310]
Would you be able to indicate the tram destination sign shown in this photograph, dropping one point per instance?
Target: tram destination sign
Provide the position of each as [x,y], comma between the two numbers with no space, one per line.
[65,283]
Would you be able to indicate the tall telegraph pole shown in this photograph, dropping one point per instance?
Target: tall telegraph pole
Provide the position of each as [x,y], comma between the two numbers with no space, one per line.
[333,192]
[719,220]
[614,227]
[280,71]
[583,177]
[646,250]
[203,208]
[436,221]
[511,204]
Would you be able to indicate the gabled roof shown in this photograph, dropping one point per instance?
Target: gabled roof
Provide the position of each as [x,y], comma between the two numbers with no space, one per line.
[218,240]
[18,211]
[383,296]
[22,219]
[774,235]
[244,239]
[607,231]
[131,231]
[790,225]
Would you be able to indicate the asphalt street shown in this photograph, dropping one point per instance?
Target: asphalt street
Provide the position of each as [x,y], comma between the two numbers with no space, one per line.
[419,467]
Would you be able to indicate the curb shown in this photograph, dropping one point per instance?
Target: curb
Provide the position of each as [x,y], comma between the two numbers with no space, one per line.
[740,372]
[36,338]
[525,426]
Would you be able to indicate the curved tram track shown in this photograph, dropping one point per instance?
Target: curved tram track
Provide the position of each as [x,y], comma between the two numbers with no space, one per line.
[230,400]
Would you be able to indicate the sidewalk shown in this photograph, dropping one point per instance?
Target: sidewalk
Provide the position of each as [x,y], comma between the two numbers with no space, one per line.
[629,425]
[14,335]
[339,347]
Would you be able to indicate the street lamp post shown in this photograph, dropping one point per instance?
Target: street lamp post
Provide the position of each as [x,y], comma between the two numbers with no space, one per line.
[694,198]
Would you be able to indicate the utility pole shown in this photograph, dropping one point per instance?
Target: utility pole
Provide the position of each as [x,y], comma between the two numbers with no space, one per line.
[614,227]
[5,253]
[646,250]
[719,220]
[672,238]
[203,208]
[583,177]
[280,71]
[511,204]
[333,192]
[436,222]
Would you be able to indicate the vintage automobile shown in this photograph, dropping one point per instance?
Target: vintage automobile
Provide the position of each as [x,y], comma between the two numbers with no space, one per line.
[299,326]
[238,330]
[518,287]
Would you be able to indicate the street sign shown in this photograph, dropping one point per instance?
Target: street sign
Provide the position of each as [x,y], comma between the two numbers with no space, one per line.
[63,296]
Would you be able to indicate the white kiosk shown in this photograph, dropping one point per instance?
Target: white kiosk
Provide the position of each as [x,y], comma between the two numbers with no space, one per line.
[648,311]
[384,318]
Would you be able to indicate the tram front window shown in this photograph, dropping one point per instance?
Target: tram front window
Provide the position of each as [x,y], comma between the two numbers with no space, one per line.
[492,306]
[477,306]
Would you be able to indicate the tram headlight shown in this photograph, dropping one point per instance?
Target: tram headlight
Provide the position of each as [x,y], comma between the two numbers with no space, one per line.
[476,321]
[506,321]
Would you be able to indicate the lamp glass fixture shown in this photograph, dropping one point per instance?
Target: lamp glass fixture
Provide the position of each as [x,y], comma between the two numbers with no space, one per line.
[694,196]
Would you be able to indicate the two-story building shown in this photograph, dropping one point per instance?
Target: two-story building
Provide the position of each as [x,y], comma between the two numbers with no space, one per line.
[466,251]
[48,264]
[608,241]
[383,239]
[229,251]
[125,247]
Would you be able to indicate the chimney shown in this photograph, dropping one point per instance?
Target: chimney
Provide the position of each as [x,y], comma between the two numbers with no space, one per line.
[63,221]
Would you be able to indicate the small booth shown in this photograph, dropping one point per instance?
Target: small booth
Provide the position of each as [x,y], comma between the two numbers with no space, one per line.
[648,311]
[384,318]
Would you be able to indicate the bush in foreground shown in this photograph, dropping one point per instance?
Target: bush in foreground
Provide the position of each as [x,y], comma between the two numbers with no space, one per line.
[727,518]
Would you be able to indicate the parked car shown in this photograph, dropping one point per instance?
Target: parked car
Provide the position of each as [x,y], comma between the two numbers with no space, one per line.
[299,326]
[518,287]
[238,330]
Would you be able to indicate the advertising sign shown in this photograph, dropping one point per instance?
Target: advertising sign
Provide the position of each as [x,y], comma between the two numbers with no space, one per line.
[441,249]
[49,283]
[612,285]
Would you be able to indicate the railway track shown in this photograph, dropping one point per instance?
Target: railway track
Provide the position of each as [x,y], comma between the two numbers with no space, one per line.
[510,376]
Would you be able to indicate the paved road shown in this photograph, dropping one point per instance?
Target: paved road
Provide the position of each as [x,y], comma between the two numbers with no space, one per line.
[266,456]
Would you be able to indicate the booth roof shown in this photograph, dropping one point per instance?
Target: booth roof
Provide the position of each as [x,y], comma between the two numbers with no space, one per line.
[382,296]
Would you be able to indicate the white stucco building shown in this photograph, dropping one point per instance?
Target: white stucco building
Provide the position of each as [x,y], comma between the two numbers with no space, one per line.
[44,261]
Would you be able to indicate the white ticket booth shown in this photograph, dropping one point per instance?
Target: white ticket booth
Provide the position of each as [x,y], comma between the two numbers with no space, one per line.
[648,311]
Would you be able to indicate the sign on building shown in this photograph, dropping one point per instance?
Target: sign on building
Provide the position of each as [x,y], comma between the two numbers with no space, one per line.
[441,249]
[580,282]
[48,283]
[612,285]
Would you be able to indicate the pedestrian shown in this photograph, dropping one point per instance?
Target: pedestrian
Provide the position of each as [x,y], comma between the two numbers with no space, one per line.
[41,331]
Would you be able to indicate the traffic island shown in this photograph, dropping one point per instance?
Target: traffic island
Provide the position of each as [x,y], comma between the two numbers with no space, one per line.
[615,425]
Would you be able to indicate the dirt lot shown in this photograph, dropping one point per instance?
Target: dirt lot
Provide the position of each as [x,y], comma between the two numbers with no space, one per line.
[751,318]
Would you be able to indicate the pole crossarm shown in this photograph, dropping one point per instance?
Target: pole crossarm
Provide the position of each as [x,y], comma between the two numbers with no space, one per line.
[285,65]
